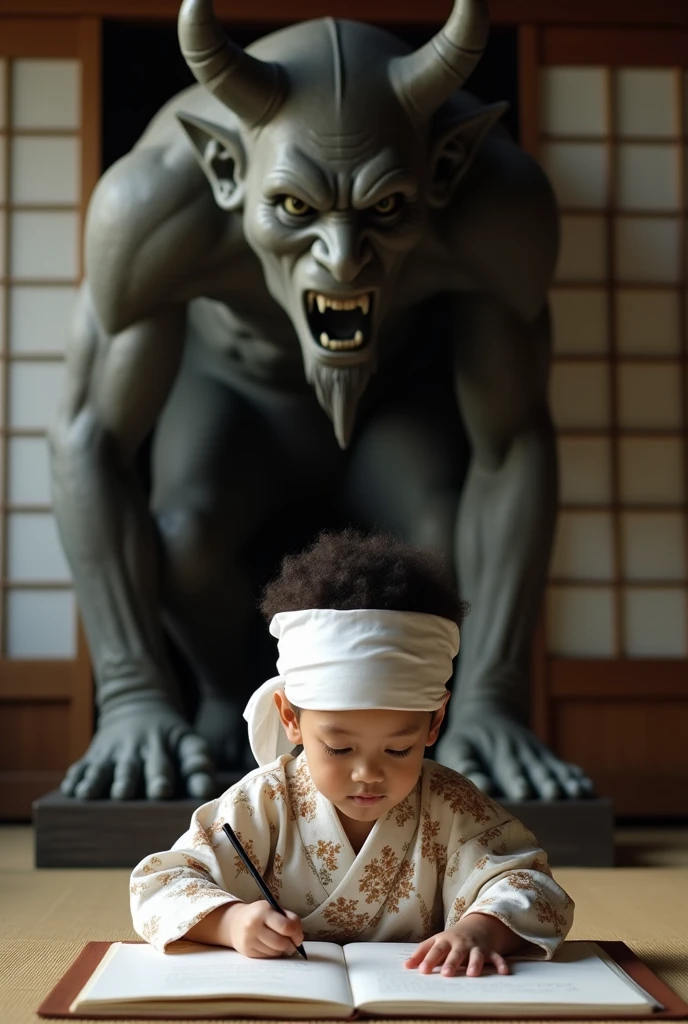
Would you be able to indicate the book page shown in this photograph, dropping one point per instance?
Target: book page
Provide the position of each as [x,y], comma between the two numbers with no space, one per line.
[194,971]
[577,977]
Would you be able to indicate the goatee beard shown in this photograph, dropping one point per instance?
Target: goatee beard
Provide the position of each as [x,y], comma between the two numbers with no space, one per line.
[338,390]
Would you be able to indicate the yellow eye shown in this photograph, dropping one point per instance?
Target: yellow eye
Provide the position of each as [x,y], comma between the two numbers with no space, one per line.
[388,205]
[296,207]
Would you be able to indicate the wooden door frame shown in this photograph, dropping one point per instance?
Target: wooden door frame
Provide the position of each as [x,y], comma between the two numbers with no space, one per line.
[63,681]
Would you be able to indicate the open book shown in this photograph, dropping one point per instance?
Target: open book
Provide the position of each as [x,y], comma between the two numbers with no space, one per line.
[363,978]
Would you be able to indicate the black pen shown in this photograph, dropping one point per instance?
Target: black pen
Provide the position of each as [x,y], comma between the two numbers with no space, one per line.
[255,874]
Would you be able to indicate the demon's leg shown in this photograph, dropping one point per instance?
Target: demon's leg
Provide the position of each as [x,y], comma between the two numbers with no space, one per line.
[224,470]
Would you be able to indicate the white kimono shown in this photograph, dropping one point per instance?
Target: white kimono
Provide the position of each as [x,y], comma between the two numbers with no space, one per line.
[445,851]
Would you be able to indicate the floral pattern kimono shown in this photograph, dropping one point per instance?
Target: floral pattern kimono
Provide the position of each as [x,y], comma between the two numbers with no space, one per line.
[445,851]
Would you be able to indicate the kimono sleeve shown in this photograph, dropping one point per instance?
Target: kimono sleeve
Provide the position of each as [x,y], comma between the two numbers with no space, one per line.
[503,873]
[172,891]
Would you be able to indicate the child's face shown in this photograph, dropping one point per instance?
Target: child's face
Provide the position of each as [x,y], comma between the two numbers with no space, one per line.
[364,762]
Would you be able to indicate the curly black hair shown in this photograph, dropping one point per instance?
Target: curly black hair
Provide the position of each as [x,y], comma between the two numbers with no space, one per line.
[348,569]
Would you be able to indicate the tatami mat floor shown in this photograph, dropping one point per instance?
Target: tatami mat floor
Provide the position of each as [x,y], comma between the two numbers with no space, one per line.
[46,916]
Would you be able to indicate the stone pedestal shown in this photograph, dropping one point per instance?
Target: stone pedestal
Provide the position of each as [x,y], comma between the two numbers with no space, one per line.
[118,834]
[574,833]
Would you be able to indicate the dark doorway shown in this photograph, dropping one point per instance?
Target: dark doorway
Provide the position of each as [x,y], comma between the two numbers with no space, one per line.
[143,68]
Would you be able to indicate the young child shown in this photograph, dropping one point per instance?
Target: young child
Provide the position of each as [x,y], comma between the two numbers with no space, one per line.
[358,836]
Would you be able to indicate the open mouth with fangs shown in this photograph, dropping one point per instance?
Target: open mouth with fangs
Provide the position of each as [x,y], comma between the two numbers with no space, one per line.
[338,324]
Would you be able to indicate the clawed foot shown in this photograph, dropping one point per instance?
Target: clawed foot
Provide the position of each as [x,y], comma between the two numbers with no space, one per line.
[506,760]
[145,749]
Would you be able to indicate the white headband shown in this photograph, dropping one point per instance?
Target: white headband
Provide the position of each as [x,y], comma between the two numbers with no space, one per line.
[333,660]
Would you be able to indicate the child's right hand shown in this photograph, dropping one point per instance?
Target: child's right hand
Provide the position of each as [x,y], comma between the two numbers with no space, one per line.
[256,930]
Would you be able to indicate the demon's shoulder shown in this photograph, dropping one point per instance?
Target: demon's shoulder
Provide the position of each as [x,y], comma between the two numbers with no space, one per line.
[151,223]
[503,227]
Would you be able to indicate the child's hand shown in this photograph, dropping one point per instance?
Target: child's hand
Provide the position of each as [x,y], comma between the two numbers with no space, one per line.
[256,930]
[473,941]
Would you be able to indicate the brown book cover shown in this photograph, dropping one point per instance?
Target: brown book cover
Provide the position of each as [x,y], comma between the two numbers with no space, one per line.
[58,1001]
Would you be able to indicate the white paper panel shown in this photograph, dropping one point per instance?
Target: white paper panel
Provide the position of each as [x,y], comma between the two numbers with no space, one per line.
[45,170]
[3,91]
[649,396]
[646,102]
[577,172]
[583,547]
[39,318]
[29,471]
[41,624]
[3,169]
[35,391]
[651,472]
[579,394]
[655,623]
[579,321]
[45,245]
[648,177]
[46,94]
[647,322]
[585,476]
[34,551]
[583,252]
[647,249]
[573,101]
[654,546]
[580,621]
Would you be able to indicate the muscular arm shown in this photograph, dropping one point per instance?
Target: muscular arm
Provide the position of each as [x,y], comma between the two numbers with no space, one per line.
[123,357]
[503,231]
[115,390]
[507,512]
[504,534]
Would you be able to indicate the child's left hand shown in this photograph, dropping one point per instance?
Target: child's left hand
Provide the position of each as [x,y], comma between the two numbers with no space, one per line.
[473,941]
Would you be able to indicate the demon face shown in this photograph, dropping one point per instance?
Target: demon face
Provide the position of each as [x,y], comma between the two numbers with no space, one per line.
[334,161]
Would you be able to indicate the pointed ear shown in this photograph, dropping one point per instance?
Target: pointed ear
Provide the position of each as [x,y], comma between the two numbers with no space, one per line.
[453,151]
[221,154]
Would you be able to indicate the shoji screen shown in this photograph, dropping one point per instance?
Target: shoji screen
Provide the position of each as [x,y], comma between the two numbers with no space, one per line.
[609,122]
[49,156]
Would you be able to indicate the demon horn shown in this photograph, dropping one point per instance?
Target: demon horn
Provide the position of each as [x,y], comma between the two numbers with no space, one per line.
[251,88]
[423,80]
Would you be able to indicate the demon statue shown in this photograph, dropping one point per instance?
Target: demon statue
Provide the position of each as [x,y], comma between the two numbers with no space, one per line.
[326,228]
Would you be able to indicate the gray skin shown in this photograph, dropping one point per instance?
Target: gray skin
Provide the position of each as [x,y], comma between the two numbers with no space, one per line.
[332,161]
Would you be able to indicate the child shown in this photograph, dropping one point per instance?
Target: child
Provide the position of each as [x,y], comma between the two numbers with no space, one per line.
[358,836]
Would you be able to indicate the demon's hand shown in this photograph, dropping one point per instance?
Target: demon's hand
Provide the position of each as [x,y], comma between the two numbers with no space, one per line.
[142,748]
[505,759]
